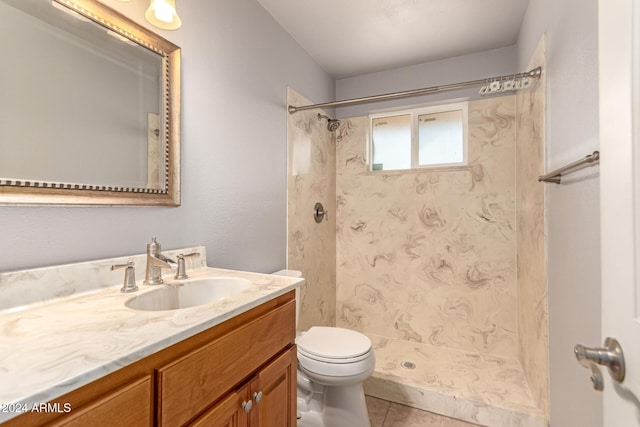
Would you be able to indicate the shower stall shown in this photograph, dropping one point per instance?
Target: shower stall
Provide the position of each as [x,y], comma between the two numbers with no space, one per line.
[443,268]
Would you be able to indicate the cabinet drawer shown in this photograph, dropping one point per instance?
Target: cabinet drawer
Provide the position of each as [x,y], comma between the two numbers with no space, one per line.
[129,405]
[187,386]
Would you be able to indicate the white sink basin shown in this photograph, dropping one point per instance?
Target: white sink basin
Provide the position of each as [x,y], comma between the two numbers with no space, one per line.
[189,293]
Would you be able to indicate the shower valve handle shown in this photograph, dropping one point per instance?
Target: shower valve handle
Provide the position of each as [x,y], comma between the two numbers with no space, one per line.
[319,213]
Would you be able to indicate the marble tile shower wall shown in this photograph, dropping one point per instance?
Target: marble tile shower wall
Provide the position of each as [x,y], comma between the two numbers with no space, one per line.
[431,256]
[452,257]
[532,282]
[311,247]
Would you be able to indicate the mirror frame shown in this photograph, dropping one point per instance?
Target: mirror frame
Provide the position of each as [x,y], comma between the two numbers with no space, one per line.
[24,192]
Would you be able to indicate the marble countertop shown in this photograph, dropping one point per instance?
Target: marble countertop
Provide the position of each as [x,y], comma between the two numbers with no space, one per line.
[51,347]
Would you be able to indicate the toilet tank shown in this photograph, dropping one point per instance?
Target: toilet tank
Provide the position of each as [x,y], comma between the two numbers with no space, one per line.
[293,273]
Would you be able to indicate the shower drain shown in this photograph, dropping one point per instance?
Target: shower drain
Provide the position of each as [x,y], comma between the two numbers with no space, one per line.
[408,365]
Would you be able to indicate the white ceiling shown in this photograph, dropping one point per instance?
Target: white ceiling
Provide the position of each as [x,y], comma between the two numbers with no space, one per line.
[354,37]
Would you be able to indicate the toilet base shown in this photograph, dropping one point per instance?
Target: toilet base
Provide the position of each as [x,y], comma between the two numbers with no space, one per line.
[311,419]
[341,407]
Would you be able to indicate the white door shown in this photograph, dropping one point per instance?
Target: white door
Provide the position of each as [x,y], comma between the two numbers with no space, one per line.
[619,57]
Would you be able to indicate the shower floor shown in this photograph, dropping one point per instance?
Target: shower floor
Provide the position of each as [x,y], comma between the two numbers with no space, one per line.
[478,388]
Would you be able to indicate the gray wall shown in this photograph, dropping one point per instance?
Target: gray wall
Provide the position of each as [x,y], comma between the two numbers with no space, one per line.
[459,69]
[573,219]
[237,63]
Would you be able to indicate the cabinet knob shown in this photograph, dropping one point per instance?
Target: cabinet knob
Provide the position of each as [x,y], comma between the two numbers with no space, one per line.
[257,396]
[247,405]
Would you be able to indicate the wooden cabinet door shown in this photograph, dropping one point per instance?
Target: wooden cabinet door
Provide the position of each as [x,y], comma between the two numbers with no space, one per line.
[273,391]
[228,413]
[271,394]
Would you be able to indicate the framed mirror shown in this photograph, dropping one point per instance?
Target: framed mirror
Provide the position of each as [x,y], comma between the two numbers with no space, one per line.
[90,107]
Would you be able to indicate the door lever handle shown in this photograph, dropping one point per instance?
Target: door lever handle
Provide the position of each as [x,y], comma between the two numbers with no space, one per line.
[610,356]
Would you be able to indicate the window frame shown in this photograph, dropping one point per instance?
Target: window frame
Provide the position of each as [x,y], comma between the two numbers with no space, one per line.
[415,113]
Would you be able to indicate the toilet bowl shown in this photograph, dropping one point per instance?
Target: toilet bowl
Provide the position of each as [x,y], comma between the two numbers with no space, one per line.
[338,360]
[333,363]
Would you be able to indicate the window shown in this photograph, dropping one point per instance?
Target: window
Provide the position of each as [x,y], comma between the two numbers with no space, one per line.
[420,138]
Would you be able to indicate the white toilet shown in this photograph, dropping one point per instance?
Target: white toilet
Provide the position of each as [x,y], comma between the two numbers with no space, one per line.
[332,365]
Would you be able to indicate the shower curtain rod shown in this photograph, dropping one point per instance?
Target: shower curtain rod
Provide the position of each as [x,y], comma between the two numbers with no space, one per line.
[534,74]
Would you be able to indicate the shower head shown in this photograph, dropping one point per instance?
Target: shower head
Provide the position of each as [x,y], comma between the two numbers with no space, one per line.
[333,124]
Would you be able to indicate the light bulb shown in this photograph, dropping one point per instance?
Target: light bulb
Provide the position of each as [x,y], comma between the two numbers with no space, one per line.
[162,14]
[163,11]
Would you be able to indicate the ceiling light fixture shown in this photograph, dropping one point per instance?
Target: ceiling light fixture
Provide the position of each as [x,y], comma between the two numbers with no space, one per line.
[162,14]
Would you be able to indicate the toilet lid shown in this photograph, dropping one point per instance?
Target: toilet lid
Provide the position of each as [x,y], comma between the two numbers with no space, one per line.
[333,343]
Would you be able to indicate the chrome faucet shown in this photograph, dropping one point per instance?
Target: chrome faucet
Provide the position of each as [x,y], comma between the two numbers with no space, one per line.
[155,263]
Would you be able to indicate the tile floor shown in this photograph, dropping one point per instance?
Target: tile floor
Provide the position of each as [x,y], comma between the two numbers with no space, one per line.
[386,414]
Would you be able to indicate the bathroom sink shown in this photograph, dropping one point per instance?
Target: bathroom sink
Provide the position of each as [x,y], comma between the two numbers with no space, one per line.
[189,293]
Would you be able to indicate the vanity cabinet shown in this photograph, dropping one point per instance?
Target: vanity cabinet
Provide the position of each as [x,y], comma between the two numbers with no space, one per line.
[265,400]
[129,405]
[201,381]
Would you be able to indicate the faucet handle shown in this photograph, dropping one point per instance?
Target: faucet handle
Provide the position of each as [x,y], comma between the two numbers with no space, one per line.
[181,272]
[154,247]
[129,284]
